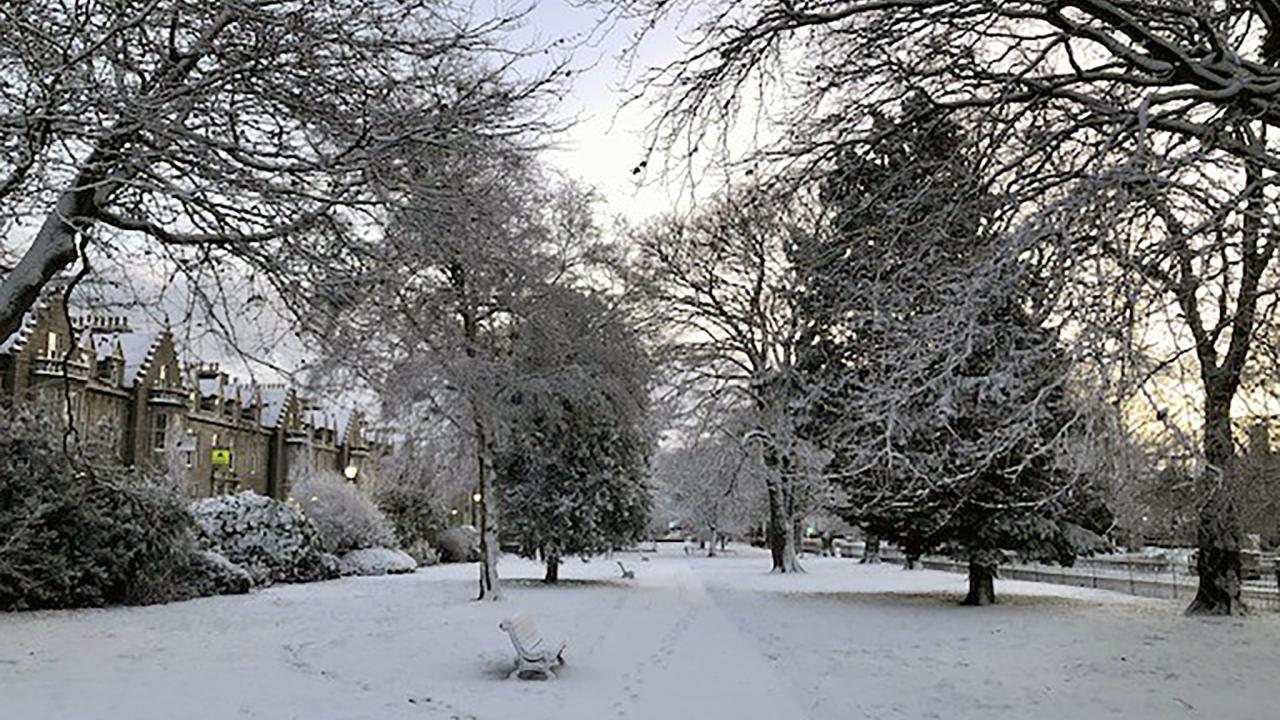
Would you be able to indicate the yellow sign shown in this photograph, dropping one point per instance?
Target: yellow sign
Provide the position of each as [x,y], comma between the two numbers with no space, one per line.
[220,457]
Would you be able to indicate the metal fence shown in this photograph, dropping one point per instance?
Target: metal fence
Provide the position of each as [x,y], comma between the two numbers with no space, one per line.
[1133,576]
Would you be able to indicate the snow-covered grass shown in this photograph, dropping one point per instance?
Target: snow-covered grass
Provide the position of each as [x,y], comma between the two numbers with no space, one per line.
[690,637]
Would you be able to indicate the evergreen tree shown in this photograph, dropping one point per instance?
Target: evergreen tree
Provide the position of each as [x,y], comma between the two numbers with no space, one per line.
[572,462]
[944,398]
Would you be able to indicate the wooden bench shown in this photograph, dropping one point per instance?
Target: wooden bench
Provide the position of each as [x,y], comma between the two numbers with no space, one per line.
[535,657]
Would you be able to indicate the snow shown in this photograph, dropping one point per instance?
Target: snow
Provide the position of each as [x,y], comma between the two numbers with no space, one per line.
[690,637]
[376,561]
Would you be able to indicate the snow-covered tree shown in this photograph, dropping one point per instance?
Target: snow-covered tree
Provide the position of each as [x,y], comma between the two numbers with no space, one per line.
[938,382]
[575,437]
[1139,138]
[434,310]
[210,135]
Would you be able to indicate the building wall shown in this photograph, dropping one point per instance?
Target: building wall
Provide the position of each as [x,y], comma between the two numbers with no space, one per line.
[250,447]
[158,419]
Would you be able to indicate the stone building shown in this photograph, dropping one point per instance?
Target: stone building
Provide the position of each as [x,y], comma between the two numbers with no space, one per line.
[201,426]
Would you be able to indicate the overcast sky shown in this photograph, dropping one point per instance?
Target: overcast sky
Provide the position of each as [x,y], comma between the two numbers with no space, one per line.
[607,141]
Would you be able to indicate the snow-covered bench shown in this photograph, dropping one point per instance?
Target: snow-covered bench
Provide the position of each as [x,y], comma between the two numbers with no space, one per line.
[534,655]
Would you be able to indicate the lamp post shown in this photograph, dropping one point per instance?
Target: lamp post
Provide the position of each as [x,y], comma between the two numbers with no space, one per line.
[351,471]
[475,508]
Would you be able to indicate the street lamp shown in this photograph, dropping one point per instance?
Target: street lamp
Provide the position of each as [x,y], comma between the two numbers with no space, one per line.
[351,471]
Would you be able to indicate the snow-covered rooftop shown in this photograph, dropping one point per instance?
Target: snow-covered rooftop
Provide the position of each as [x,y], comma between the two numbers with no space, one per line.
[137,349]
[274,400]
[18,339]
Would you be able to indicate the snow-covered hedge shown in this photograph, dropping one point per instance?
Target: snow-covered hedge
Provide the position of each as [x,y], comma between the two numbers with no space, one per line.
[376,561]
[459,544]
[344,516]
[80,530]
[270,540]
[213,574]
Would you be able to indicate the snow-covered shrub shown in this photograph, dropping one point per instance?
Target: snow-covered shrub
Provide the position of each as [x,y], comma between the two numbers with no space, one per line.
[345,517]
[423,553]
[80,530]
[376,561]
[213,574]
[269,539]
[459,544]
[407,493]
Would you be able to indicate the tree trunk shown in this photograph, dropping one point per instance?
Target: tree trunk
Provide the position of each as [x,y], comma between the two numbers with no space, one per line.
[782,541]
[52,251]
[711,544]
[553,569]
[982,586]
[487,510]
[1219,536]
[870,551]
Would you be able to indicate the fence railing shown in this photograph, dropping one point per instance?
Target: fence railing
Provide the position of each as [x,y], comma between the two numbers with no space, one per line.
[1133,576]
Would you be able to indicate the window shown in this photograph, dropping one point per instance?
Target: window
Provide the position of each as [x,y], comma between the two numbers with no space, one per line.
[188,458]
[159,431]
[53,344]
[164,374]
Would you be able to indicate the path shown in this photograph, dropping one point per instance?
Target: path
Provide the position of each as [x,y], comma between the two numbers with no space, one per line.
[670,652]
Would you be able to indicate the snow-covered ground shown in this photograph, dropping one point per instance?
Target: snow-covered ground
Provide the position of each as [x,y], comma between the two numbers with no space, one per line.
[689,638]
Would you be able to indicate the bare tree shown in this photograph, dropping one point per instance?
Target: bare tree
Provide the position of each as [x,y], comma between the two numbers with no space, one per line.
[1187,237]
[713,486]
[724,285]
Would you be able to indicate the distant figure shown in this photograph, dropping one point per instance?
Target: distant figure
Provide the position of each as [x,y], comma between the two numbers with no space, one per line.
[626,574]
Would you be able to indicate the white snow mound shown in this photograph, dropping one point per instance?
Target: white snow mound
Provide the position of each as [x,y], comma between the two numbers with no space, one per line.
[376,561]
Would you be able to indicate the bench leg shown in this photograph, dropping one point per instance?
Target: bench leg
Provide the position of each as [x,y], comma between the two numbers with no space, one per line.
[532,671]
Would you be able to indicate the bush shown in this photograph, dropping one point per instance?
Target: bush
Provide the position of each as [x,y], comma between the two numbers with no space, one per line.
[82,531]
[410,500]
[212,574]
[423,553]
[270,540]
[346,518]
[376,561]
[459,544]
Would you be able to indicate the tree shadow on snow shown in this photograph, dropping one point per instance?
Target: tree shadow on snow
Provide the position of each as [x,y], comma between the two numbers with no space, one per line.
[945,599]
[565,583]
